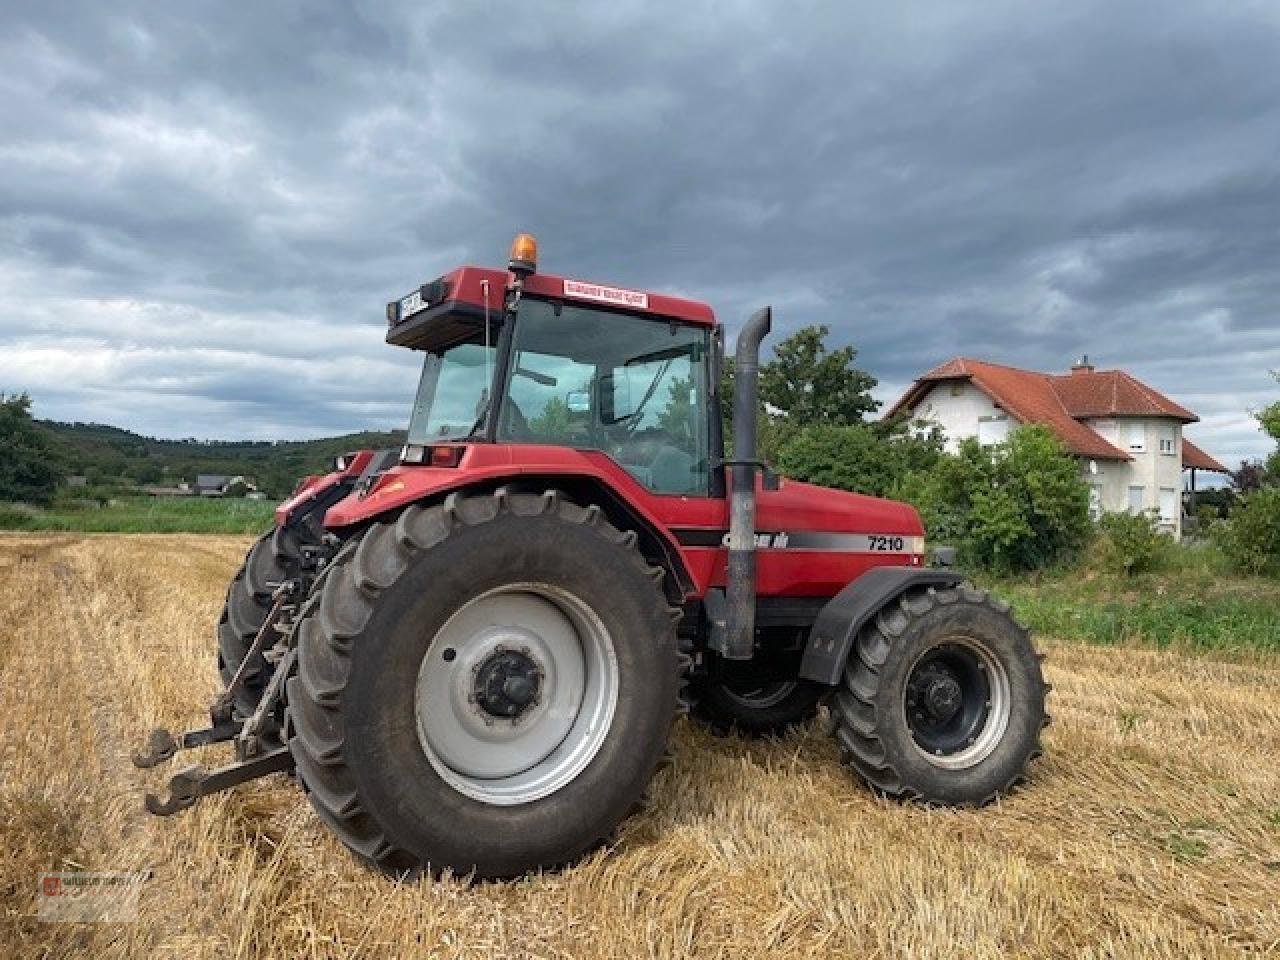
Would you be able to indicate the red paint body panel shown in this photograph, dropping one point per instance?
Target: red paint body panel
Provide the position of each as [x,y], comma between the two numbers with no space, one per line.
[313,486]
[466,286]
[794,507]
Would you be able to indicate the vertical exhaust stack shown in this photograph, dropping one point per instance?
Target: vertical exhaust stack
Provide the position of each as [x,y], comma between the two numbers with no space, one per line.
[741,591]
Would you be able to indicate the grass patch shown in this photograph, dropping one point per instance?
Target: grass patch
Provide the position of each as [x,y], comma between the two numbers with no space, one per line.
[1194,604]
[1186,849]
[144,515]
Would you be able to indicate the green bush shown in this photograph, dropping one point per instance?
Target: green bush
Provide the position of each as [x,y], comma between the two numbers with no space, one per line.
[1250,537]
[1015,506]
[859,458]
[1132,543]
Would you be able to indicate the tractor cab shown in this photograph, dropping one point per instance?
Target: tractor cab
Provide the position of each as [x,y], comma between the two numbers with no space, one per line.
[563,363]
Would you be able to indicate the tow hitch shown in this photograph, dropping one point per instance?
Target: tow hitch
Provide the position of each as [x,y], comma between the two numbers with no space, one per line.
[255,755]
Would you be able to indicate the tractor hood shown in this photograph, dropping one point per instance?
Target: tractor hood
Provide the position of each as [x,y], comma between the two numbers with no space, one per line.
[797,506]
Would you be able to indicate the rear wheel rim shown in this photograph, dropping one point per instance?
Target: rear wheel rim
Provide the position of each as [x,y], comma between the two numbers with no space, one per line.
[957,703]
[516,693]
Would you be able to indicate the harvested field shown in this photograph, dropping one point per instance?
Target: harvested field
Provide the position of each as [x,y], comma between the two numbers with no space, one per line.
[1151,828]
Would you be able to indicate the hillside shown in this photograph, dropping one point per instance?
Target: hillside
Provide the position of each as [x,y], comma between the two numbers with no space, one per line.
[107,454]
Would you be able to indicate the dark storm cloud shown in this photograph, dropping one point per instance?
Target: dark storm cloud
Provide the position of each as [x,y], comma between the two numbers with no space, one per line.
[216,199]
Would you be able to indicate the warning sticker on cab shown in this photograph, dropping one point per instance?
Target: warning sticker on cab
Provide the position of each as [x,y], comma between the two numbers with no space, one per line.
[614,295]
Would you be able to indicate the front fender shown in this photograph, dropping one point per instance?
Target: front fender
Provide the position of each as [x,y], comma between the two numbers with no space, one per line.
[837,625]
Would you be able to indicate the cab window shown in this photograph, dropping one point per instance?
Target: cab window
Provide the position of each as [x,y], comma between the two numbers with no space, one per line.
[631,386]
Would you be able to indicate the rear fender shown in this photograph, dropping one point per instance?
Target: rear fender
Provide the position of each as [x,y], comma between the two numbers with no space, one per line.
[306,507]
[401,486]
[837,625]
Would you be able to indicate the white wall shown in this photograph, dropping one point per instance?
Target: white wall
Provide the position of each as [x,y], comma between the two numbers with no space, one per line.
[1150,469]
[959,408]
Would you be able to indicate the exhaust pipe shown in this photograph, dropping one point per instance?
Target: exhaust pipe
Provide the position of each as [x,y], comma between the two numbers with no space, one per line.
[740,627]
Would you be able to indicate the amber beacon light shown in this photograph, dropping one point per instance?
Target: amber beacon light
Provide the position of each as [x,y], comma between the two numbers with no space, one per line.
[524,254]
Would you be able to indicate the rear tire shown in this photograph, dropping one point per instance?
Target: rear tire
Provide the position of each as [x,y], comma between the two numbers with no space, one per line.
[275,557]
[943,699]
[390,741]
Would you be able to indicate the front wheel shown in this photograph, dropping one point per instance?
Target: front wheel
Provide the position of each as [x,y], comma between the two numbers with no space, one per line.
[943,699]
[485,685]
[758,707]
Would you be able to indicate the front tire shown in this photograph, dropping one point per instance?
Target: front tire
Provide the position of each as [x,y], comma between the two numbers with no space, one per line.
[440,717]
[943,699]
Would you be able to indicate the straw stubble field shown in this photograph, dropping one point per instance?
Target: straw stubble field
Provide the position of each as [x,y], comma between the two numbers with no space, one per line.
[1150,828]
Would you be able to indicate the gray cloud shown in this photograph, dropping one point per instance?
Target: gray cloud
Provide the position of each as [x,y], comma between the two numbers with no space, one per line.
[203,207]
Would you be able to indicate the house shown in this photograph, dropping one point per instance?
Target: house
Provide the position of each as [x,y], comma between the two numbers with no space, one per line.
[217,484]
[1127,435]
[212,484]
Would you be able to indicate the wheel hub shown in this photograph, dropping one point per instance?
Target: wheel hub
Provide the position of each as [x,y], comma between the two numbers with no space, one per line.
[507,683]
[937,692]
[957,703]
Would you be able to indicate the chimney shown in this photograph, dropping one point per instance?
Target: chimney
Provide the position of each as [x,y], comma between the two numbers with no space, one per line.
[1082,365]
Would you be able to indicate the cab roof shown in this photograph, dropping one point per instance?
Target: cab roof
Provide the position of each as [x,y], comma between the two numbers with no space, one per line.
[466,285]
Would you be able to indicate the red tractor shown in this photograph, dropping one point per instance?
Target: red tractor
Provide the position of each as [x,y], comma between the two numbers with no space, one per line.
[470,651]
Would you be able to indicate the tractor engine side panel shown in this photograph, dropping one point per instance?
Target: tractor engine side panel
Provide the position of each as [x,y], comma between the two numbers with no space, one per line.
[812,541]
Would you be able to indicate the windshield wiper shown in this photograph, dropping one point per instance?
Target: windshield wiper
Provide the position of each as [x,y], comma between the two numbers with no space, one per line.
[667,353]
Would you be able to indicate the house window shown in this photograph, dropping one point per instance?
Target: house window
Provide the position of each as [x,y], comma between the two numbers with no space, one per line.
[1095,500]
[993,430]
[957,389]
[1168,506]
[1137,498]
[1136,430]
[1167,439]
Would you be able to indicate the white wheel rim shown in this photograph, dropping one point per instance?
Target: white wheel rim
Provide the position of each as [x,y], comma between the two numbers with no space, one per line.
[507,761]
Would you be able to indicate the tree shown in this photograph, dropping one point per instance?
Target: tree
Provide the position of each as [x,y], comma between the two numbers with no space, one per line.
[807,384]
[1269,418]
[861,457]
[676,418]
[803,385]
[552,424]
[1015,506]
[30,470]
[1250,476]
[1250,537]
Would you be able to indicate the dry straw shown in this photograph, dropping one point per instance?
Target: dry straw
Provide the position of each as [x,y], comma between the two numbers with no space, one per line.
[1151,828]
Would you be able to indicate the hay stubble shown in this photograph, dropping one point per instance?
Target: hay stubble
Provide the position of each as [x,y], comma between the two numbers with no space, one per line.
[1150,828]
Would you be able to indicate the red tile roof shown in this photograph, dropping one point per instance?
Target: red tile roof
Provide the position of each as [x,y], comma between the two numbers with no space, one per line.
[1195,458]
[1061,401]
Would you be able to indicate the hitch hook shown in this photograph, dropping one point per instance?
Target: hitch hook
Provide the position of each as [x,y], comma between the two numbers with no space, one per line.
[184,791]
[160,747]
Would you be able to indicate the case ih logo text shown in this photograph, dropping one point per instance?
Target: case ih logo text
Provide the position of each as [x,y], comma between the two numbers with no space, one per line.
[764,541]
[615,295]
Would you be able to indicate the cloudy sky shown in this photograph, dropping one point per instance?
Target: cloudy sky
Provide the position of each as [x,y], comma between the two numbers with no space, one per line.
[203,207]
